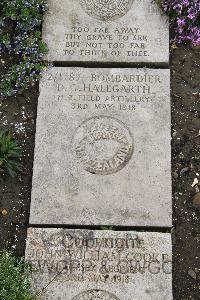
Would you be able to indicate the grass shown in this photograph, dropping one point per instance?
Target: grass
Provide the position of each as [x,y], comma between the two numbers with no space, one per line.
[14,278]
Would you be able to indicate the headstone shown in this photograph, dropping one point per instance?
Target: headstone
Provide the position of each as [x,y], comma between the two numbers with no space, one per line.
[103,265]
[125,31]
[102,152]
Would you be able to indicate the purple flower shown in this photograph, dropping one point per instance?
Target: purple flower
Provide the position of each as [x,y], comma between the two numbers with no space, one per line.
[186,2]
[191,16]
[184,20]
[181,22]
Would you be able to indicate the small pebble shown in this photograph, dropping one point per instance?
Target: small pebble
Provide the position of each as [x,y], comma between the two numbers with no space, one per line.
[192,274]
[4,212]
[175,175]
[184,170]
[196,199]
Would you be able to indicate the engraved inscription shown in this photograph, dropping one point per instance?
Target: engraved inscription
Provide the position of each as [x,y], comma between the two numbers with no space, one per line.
[103,145]
[102,93]
[110,259]
[119,41]
[95,295]
[106,10]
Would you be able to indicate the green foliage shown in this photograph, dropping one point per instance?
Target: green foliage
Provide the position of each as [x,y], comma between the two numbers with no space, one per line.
[23,43]
[5,39]
[10,154]
[14,278]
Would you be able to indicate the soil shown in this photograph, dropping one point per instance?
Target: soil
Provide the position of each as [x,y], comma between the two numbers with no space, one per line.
[185,78]
[18,114]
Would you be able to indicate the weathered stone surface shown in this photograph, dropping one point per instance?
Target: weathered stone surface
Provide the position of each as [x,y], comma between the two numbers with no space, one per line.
[102,152]
[106,31]
[103,265]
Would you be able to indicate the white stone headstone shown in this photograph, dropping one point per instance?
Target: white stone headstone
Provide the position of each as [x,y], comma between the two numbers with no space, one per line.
[100,265]
[102,153]
[125,31]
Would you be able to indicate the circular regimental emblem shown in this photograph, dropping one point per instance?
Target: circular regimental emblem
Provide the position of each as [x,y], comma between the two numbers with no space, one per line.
[103,145]
[106,9]
[95,295]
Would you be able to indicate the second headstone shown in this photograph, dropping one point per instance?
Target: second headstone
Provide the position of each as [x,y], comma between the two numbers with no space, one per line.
[122,31]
